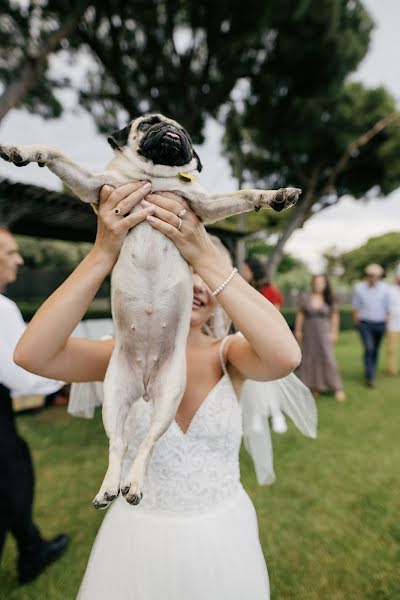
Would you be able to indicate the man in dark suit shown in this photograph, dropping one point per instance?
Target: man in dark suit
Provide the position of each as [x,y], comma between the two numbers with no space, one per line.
[16,470]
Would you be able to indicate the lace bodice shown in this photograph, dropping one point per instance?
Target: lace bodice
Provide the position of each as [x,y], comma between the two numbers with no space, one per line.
[196,470]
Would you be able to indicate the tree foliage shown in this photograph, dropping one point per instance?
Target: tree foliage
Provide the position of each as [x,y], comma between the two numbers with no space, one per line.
[304,121]
[383,249]
[51,254]
[261,249]
[179,57]
[29,34]
[277,74]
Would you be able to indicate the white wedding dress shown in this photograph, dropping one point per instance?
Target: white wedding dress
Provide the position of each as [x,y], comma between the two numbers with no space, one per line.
[194,536]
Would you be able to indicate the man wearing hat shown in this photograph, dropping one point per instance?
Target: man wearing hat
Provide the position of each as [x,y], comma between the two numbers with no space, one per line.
[393,326]
[370,312]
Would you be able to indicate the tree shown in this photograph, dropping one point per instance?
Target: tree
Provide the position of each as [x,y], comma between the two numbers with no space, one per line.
[261,249]
[383,249]
[179,57]
[174,56]
[29,34]
[307,125]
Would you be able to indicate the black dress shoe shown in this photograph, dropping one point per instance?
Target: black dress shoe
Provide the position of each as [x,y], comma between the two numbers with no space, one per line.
[50,551]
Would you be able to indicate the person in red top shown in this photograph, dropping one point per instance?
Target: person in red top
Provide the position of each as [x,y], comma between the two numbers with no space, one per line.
[253,272]
[272,294]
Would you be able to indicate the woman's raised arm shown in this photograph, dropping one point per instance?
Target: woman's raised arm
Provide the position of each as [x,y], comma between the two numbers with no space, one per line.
[268,349]
[46,347]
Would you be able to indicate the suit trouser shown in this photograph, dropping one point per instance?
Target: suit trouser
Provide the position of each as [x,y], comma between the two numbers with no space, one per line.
[16,484]
[391,351]
[371,335]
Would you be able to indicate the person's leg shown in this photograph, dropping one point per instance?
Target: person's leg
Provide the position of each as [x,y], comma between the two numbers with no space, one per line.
[368,343]
[35,553]
[16,481]
[391,349]
[4,522]
[378,332]
[22,485]
[390,352]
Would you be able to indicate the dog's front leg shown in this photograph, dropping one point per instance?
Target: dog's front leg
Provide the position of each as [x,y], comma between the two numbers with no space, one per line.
[213,207]
[81,181]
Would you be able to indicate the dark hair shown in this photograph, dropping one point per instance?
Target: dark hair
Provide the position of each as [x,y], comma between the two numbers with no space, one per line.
[327,293]
[257,270]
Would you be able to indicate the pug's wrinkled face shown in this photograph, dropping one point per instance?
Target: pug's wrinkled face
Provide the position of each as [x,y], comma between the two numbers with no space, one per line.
[158,139]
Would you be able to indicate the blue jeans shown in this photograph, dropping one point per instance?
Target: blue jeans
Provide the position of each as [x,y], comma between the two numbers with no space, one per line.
[371,333]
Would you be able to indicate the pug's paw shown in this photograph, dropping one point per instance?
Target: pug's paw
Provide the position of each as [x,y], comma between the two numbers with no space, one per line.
[284,198]
[22,155]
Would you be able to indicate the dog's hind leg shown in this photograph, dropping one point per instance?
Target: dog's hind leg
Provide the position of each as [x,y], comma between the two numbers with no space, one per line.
[166,391]
[122,387]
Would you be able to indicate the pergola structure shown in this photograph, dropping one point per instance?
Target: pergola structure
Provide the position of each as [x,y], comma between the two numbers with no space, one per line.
[28,209]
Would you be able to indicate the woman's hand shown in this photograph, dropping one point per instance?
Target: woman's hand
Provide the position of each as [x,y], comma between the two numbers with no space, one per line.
[192,240]
[112,224]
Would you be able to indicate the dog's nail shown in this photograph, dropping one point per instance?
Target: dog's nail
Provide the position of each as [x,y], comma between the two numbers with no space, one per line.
[100,505]
[135,499]
[109,497]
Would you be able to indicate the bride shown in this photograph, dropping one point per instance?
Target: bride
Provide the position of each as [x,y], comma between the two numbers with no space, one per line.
[194,535]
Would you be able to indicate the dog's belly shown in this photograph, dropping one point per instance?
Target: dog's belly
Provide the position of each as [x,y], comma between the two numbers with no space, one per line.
[151,300]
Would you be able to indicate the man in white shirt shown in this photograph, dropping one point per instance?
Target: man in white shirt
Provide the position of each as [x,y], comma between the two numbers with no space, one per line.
[16,470]
[393,326]
[370,313]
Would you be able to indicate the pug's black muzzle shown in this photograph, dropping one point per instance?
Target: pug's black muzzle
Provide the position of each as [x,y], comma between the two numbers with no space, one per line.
[166,145]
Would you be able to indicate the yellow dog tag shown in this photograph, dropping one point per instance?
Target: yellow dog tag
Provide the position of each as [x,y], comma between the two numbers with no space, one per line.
[186,177]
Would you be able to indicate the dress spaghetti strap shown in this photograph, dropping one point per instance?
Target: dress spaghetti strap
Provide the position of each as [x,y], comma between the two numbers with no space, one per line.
[221,354]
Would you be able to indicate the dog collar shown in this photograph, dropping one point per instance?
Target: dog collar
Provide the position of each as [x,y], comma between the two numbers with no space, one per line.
[186,177]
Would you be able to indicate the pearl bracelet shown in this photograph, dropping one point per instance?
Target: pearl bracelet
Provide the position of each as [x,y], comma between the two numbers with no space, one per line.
[225,283]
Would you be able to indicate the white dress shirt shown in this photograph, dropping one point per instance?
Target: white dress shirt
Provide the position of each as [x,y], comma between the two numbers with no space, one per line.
[16,379]
[371,301]
[394,308]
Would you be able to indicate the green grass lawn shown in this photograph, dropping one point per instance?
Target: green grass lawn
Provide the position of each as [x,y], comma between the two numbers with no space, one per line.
[329,526]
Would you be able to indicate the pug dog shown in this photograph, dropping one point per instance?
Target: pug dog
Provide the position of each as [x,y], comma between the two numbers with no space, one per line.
[151,282]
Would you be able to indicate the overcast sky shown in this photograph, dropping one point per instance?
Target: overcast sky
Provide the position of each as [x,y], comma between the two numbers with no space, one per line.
[346,225]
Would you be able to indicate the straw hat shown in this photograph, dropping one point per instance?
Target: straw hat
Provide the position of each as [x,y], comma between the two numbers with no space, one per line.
[374,269]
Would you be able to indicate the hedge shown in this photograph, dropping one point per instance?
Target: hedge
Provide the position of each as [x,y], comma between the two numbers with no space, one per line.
[346,317]
[28,309]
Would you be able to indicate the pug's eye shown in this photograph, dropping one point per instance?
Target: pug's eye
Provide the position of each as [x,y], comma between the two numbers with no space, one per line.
[144,126]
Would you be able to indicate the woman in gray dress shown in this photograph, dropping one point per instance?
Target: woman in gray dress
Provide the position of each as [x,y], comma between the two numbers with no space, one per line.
[317,327]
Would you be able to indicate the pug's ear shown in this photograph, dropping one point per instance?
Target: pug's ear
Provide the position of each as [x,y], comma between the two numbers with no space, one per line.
[197,157]
[119,138]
